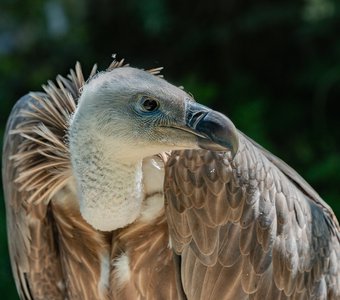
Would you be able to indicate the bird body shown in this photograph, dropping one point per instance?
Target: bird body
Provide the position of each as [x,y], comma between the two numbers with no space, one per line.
[103,201]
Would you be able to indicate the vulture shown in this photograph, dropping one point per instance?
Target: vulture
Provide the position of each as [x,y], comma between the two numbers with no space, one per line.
[120,186]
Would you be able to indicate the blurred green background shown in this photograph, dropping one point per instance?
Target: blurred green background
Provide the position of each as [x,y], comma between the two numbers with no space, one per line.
[272,66]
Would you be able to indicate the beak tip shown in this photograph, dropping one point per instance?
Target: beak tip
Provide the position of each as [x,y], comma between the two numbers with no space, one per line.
[221,132]
[234,149]
[234,140]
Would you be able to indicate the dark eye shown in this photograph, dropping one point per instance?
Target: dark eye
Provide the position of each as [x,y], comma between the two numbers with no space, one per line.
[149,104]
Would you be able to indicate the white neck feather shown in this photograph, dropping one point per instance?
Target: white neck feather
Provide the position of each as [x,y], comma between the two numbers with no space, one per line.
[109,188]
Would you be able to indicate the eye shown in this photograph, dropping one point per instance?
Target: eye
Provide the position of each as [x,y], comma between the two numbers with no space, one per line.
[149,104]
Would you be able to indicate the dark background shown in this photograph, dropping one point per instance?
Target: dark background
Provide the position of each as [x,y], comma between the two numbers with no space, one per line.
[273,67]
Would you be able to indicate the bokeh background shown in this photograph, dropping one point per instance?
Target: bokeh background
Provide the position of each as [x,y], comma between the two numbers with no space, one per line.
[272,66]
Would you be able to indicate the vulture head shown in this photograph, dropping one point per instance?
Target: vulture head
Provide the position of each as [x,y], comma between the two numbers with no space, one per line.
[123,116]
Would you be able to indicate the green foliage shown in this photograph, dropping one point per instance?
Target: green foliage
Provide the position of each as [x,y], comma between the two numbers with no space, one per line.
[272,66]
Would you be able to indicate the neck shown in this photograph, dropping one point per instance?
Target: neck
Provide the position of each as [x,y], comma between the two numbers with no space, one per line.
[109,189]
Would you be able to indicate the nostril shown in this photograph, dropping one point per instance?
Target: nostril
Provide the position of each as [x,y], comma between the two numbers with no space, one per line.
[195,117]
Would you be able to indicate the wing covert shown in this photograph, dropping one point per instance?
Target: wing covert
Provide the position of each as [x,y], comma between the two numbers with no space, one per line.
[36,166]
[247,228]
[29,227]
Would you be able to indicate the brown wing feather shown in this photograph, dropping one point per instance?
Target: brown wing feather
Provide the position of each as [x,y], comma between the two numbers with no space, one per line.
[35,168]
[29,227]
[249,227]
[152,275]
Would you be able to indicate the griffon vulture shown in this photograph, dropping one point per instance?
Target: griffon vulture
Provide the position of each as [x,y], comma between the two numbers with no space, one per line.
[123,187]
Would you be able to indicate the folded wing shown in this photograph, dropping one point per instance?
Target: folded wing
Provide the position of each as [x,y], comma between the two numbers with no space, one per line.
[249,227]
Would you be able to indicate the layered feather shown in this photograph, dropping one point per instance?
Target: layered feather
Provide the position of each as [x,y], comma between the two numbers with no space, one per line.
[249,227]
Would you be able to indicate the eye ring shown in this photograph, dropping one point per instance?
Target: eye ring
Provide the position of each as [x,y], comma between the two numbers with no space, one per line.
[148,104]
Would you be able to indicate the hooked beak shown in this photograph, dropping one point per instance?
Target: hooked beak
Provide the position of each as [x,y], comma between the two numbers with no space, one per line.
[214,131]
